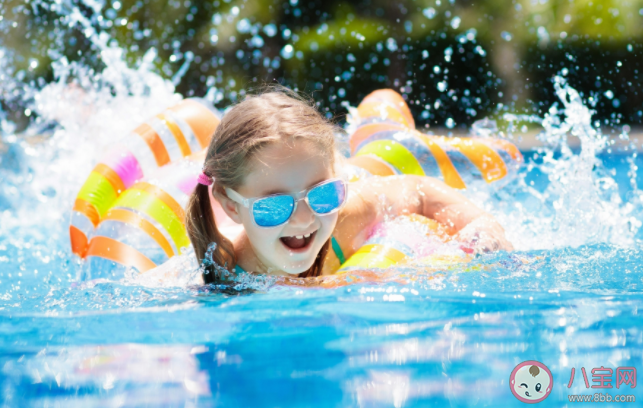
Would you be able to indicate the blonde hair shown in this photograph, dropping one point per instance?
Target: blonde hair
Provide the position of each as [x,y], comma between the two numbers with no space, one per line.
[275,115]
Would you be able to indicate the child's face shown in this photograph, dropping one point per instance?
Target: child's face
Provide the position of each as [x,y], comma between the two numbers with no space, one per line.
[287,168]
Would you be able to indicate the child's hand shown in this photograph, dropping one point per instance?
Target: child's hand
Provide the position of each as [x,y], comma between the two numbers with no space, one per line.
[483,234]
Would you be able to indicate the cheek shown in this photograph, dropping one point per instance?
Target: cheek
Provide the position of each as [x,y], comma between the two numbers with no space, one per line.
[260,237]
[328,223]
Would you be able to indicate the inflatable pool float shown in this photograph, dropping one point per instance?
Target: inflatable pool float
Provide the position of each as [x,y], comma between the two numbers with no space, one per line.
[129,213]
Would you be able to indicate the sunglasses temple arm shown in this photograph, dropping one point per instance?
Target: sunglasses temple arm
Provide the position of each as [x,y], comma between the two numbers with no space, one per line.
[234,196]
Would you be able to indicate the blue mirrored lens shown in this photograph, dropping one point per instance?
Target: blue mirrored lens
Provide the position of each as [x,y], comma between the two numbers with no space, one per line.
[272,211]
[327,197]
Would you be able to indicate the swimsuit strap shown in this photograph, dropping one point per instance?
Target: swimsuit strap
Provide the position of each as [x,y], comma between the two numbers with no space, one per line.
[238,269]
[338,250]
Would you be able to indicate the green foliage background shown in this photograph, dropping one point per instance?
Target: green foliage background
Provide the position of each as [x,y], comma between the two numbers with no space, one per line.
[459,60]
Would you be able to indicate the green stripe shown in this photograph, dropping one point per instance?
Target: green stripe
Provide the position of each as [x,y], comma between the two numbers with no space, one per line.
[393,153]
[98,191]
[149,204]
[338,250]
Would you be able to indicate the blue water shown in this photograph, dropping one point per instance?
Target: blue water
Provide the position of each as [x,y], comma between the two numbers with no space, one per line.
[432,338]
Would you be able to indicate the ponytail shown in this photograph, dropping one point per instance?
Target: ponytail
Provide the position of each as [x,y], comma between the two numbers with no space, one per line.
[202,230]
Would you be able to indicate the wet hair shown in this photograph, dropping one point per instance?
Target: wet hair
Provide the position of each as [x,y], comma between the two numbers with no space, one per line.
[534,370]
[274,115]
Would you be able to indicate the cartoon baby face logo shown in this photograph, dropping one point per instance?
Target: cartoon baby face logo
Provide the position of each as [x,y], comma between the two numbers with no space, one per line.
[531,381]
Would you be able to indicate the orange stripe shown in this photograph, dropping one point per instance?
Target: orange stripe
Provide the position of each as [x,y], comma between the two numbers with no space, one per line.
[111,176]
[200,119]
[113,250]
[376,109]
[178,135]
[506,146]
[78,241]
[131,218]
[163,196]
[448,170]
[154,142]
[482,156]
[395,99]
[88,210]
[372,165]
[364,132]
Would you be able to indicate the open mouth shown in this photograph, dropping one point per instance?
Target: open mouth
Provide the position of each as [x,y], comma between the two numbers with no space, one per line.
[298,243]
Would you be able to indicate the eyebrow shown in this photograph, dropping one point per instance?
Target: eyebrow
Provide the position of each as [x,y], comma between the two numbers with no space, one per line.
[281,191]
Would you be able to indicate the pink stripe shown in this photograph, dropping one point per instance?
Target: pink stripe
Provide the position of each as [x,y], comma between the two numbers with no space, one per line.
[188,184]
[125,165]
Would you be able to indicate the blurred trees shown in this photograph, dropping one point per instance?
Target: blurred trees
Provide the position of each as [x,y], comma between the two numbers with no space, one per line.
[454,61]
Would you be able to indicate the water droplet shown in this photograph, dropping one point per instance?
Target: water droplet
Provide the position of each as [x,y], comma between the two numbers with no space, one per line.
[425,54]
[256,41]
[506,36]
[436,69]
[455,22]
[244,26]
[288,51]
[391,44]
[270,30]
[450,123]
[430,12]
[609,94]
[442,86]
[479,50]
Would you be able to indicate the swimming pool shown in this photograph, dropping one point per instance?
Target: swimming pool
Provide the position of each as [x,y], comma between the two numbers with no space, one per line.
[569,297]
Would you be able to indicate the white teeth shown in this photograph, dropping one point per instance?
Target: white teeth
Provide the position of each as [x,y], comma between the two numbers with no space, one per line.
[307,235]
[299,236]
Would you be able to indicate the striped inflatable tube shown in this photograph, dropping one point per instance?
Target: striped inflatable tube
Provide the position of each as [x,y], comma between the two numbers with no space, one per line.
[385,142]
[404,241]
[130,210]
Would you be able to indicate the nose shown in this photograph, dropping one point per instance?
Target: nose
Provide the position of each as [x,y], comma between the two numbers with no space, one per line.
[303,215]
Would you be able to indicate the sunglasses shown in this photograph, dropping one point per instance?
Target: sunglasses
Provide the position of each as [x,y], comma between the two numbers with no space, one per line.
[324,198]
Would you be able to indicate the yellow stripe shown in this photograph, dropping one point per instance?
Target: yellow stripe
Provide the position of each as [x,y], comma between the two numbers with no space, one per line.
[374,256]
[99,192]
[147,203]
[395,154]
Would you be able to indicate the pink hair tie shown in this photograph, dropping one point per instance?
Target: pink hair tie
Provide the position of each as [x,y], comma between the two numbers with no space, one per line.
[205,179]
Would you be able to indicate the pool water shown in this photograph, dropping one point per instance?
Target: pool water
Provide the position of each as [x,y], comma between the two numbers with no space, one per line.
[569,296]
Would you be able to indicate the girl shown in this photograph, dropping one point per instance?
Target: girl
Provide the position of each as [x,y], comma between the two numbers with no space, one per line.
[272,166]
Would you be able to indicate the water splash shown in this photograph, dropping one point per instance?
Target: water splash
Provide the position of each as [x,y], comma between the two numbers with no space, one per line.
[581,204]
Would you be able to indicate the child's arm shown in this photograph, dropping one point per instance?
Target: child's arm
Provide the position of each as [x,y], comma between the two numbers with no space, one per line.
[372,198]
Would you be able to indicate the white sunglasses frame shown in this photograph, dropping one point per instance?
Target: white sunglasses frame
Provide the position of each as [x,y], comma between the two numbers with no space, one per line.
[302,195]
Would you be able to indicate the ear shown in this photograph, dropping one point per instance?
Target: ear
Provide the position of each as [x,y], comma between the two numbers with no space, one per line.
[227,205]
